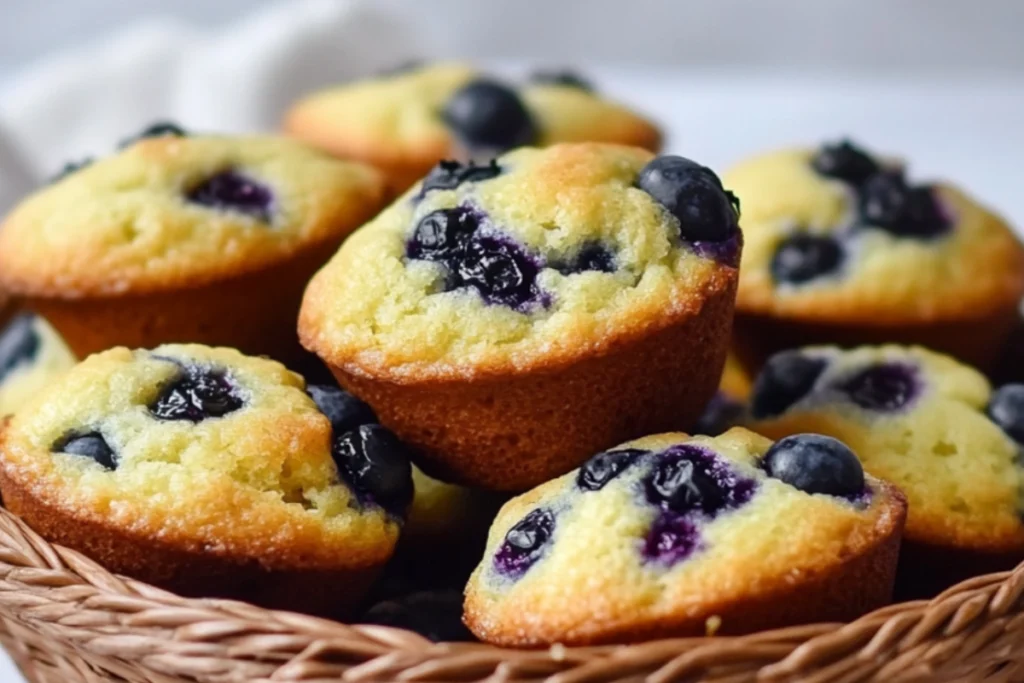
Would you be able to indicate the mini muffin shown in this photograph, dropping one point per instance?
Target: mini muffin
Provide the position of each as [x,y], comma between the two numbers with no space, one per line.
[727,407]
[843,248]
[509,324]
[184,238]
[928,424]
[673,535]
[208,473]
[32,354]
[407,120]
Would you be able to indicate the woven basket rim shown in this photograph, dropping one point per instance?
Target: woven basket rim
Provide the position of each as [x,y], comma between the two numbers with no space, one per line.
[62,599]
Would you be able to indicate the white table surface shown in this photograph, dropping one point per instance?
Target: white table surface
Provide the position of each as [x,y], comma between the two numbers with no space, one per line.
[966,129]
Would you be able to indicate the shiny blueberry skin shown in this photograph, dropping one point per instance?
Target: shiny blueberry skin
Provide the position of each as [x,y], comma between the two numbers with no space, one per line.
[884,388]
[815,464]
[442,235]
[19,343]
[845,161]
[525,543]
[345,411]
[787,377]
[603,467]
[156,130]
[687,479]
[197,394]
[1006,409]
[500,270]
[448,175]
[435,615]
[563,77]
[720,414]
[89,445]
[591,256]
[694,195]
[375,464]
[232,191]
[69,168]
[487,115]
[803,257]
[889,203]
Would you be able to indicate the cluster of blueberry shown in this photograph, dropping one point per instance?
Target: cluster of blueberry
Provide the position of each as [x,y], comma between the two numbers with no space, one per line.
[884,201]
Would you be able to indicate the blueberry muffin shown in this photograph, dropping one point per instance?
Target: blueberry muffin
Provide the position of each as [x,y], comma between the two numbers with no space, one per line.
[407,120]
[727,407]
[32,354]
[509,320]
[208,473]
[673,535]
[184,238]
[843,248]
[933,427]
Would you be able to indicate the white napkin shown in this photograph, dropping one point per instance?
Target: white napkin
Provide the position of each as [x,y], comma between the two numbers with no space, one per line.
[240,78]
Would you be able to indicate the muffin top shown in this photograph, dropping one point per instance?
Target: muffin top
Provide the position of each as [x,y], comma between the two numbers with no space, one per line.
[666,530]
[32,354]
[533,259]
[921,420]
[838,235]
[208,449]
[413,117]
[172,210]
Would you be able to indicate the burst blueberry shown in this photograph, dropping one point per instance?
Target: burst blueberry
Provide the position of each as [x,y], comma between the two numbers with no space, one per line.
[197,394]
[231,190]
[442,235]
[562,77]
[345,411]
[525,543]
[449,174]
[885,387]
[686,484]
[672,538]
[694,195]
[19,343]
[501,271]
[487,115]
[604,467]
[889,203]
[803,257]
[590,257]
[845,161]
[787,377]
[1006,409]
[88,445]
[815,464]
[373,461]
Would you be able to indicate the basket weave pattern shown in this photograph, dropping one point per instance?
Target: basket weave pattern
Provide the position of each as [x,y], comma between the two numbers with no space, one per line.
[67,620]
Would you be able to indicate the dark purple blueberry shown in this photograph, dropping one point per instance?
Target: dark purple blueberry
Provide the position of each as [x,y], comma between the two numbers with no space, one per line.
[231,190]
[88,445]
[487,115]
[786,378]
[525,543]
[720,414]
[885,387]
[435,615]
[448,175]
[694,195]
[159,129]
[845,161]
[1006,409]
[815,464]
[889,203]
[604,467]
[69,168]
[803,257]
[345,411]
[197,394]
[375,464]
[672,538]
[19,343]
[443,234]
[686,484]
[500,270]
[563,77]
[591,256]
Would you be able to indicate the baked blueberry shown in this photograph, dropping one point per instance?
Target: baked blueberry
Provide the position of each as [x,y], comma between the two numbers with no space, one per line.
[500,270]
[694,195]
[375,463]
[889,203]
[19,343]
[684,482]
[786,378]
[442,234]
[604,467]
[449,174]
[345,411]
[525,543]
[802,257]
[88,445]
[195,395]
[487,115]
[1006,409]
[436,615]
[69,168]
[815,464]
[885,387]
[591,256]
[672,538]
[231,190]
[157,130]
[569,79]
[845,161]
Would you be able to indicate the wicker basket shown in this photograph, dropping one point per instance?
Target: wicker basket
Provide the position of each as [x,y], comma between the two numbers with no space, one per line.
[67,620]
